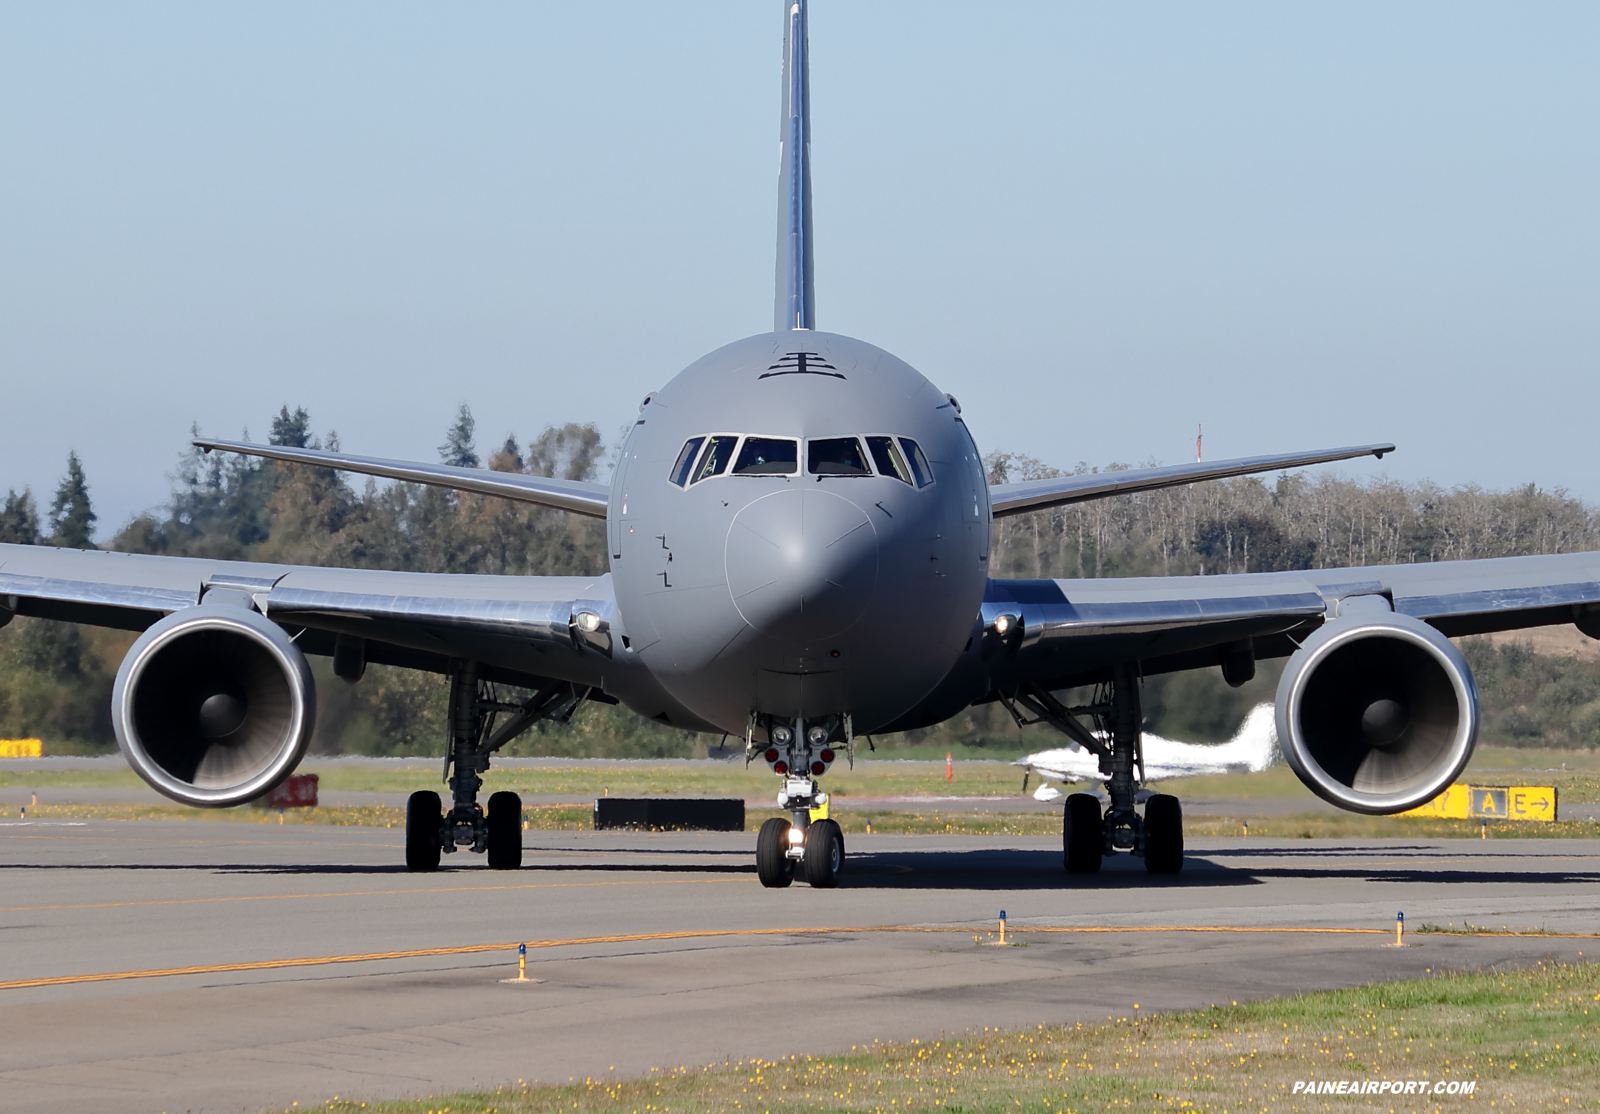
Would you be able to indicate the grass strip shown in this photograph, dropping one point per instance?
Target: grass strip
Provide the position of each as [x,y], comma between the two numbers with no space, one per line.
[1579,784]
[1527,1039]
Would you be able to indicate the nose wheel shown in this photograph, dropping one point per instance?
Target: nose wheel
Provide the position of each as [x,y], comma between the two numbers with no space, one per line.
[824,854]
[816,850]
[773,865]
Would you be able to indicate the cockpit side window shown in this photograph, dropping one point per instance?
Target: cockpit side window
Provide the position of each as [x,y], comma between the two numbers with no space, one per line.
[767,456]
[888,459]
[919,463]
[836,456]
[685,461]
[714,461]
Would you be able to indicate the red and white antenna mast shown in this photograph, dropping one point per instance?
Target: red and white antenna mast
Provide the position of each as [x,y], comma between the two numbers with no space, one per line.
[1199,430]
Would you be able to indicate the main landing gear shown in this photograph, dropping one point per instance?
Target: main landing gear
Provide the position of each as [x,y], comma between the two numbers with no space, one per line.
[1087,836]
[475,706]
[809,841]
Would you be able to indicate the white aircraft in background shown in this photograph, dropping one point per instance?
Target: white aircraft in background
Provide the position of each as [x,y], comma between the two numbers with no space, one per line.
[1250,751]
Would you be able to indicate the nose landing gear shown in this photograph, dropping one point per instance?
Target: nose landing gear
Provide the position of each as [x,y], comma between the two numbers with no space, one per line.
[810,841]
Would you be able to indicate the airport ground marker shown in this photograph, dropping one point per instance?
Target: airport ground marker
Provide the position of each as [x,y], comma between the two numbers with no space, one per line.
[705,934]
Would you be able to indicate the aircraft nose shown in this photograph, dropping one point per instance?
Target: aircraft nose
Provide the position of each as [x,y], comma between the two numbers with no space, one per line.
[802,563]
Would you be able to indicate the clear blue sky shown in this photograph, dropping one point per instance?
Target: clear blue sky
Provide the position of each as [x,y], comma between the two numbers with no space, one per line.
[1096,224]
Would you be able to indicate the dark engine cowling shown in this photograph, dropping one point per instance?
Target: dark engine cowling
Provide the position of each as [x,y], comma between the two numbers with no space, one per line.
[213,705]
[1377,712]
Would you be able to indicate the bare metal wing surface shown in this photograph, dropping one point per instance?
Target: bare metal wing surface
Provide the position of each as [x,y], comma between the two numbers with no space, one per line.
[1033,495]
[569,495]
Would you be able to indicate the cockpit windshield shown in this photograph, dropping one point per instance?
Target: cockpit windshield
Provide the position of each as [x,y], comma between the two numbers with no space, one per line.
[766,456]
[717,455]
[709,455]
[836,456]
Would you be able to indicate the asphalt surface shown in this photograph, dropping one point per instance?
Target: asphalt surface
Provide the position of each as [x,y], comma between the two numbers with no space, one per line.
[717,967]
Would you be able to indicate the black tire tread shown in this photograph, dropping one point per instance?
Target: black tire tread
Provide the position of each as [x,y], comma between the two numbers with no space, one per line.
[422,830]
[1082,837]
[773,866]
[505,831]
[1163,826]
[822,872]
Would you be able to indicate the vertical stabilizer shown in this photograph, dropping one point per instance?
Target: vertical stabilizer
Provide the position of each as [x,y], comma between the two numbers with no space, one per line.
[796,296]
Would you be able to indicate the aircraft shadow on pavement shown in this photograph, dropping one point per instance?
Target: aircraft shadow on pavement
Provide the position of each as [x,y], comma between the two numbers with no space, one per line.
[1017,869]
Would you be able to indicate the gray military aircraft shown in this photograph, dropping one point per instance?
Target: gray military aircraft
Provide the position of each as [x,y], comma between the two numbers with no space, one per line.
[799,532]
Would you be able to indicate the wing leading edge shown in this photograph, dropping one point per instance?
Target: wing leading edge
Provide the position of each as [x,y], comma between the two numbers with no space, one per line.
[524,626]
[1034,495]
[567,495]
[1062,632]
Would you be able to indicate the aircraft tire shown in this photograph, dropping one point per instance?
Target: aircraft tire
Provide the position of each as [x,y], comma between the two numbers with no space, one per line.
[1082,834]
[824,855]
[422,830]
[773,866]
[505,831]
[1163,828]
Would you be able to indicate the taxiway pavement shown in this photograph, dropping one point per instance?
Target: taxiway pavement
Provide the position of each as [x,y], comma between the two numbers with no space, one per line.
[269,972]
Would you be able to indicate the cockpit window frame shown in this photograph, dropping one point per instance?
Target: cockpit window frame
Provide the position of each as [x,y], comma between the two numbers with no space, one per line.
[861,451]
[921,470]
[699,447]
[703,461]
[683,467]
[745,440]
[898,458]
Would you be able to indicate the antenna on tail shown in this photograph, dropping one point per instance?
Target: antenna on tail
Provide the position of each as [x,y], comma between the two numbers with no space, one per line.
[796,294]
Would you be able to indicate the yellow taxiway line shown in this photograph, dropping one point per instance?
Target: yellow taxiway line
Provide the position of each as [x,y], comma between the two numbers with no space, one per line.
[419,890]
[699,934]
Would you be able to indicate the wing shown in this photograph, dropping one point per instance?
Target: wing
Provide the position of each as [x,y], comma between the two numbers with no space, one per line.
[1061,633]
[1033,495]
[523,628]
[568,495]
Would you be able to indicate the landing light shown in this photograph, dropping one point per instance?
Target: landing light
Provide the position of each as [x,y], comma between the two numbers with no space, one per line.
[817,735]
[1004,623]
[587,621]
[797,835]
[781,735]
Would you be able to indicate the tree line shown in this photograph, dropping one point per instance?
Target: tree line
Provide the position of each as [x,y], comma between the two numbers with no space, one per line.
[55,678]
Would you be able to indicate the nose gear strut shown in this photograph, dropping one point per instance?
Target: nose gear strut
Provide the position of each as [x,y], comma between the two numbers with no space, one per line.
[800,751]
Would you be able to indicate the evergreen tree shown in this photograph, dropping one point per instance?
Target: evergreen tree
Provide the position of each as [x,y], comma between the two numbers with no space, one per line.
[291,429]
[19,521]
[71,516]
[458,448]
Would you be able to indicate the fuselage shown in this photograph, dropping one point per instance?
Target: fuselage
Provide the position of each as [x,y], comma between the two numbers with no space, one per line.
[799,528]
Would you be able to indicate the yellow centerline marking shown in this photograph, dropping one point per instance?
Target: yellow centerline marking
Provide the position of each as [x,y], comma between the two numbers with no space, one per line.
[695,934]
[365,893]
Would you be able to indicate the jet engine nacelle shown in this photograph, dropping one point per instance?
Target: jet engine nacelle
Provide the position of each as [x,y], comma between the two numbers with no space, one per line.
[213,705]
[1377,712]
